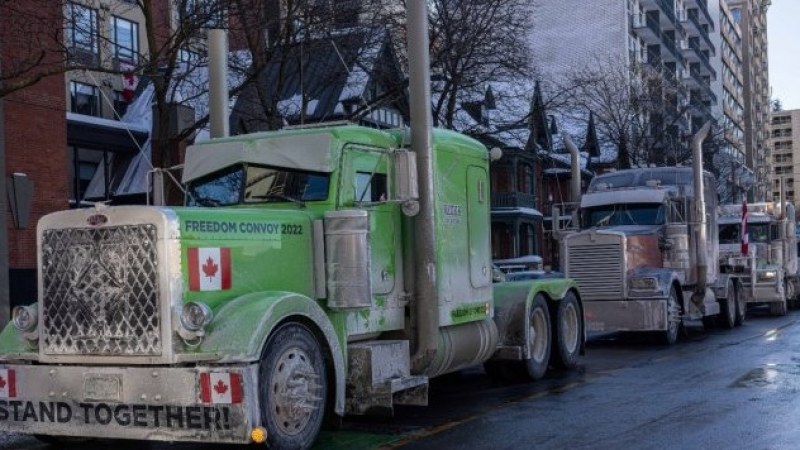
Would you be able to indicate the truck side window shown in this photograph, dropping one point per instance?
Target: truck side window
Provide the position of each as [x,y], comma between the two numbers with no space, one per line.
[371,187]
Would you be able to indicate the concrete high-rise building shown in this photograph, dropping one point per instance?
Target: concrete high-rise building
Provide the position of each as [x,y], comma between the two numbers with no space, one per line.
[784,150]
[729,111]
[670,36]
[751,16]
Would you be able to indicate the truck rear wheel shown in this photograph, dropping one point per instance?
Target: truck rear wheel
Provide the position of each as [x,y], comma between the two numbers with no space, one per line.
[741,307]
[293,387]
[567,332]
[539,338]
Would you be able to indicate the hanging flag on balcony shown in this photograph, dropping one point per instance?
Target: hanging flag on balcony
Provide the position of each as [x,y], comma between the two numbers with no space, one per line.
[745,237]
[129,81]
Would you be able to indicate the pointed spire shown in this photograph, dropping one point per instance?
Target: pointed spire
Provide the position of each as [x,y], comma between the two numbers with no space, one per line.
[592,145]
[540,132]
[489,101]
[553,126]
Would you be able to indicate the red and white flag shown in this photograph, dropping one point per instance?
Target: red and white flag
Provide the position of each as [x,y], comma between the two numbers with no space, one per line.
[129,81]
[8,383]
[209,269]
[745,236]
[220,387]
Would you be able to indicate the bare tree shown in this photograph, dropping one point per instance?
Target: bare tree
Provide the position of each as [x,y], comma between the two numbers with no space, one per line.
[643,111]
[473,43]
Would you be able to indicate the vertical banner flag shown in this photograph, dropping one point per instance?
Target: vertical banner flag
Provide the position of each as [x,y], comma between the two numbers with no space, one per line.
[129,81]
[209,269]
[8,383]
[745,237]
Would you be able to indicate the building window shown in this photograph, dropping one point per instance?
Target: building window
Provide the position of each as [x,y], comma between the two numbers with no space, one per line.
[120,105]
[85,99]
[84,163]
[82,36]
[525,179]
[125,38]
[527,239]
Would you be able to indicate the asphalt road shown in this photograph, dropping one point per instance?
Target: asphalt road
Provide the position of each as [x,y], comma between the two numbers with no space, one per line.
[726,389]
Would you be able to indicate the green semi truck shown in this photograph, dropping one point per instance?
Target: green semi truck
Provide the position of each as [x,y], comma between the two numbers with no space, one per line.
[284,292]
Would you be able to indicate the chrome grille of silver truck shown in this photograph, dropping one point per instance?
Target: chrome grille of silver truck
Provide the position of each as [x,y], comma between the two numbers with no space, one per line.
[598,269]
[100,293]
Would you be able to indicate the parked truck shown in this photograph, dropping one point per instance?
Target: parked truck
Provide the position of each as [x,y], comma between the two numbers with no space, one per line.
[645,256]
[768,272]
[313,273]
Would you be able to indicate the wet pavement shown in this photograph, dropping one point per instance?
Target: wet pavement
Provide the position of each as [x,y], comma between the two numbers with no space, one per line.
[726,389]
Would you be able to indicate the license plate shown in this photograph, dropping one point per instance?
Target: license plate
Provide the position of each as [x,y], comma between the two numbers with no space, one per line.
[102,387]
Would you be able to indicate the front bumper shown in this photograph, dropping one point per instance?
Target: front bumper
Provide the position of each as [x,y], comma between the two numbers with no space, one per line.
[146,403]
[626,315]
[764,292]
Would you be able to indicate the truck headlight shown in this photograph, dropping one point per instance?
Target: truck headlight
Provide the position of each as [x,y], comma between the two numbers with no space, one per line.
[195,316]
[768,275]
[25,318]
[644,284]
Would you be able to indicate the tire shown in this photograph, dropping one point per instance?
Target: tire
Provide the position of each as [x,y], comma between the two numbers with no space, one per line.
[788,289]
[293,387]
[741,306]
[539,336]
[670,335]
[778,308]
[727,309]
[567,332]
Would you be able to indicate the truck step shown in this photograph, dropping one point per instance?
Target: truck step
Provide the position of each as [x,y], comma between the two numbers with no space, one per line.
[379,376]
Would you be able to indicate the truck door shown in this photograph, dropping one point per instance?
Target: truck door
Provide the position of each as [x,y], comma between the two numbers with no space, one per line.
[364,185]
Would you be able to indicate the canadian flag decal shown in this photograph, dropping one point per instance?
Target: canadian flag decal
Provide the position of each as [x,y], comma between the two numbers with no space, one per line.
[209,269]
[220,387]
[8,383]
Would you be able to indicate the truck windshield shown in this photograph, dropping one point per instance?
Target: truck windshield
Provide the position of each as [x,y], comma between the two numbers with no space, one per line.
[729,233]
[758,232]
[614,215]
[244,183]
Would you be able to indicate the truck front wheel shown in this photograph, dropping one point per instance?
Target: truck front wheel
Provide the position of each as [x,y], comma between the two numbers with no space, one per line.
[741,307]
[670,335]
[539,339]
[293,387]
[727,308]
[567,334]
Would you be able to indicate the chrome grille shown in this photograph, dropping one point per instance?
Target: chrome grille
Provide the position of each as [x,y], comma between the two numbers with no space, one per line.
[598,269]
[100,291]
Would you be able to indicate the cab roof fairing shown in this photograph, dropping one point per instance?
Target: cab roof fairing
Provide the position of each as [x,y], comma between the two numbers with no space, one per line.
[613,197]
[309,152]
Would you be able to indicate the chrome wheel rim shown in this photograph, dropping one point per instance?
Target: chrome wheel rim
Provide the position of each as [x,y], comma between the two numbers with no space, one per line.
[537,336]
[570,328]
[293,393]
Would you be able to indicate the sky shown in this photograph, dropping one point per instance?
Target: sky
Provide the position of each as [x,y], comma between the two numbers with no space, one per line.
[783,28]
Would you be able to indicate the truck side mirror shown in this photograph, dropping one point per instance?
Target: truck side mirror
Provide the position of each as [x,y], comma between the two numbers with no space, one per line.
[406,188]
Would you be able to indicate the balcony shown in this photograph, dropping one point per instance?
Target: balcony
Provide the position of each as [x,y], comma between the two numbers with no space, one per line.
[513,200]
[646,26]
[701,6]
[693,26]
[664,6]
[673,50]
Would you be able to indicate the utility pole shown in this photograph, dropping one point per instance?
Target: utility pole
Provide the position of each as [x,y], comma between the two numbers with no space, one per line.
[5,300]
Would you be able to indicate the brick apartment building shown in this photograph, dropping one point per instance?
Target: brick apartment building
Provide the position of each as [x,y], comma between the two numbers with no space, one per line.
[55,133]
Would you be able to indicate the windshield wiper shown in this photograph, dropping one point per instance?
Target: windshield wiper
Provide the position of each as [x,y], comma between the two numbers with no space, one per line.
[299,202]
[206,201]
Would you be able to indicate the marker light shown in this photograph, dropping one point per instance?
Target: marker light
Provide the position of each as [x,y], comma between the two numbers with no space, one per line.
[195,316]
[258,435]
[24,318]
